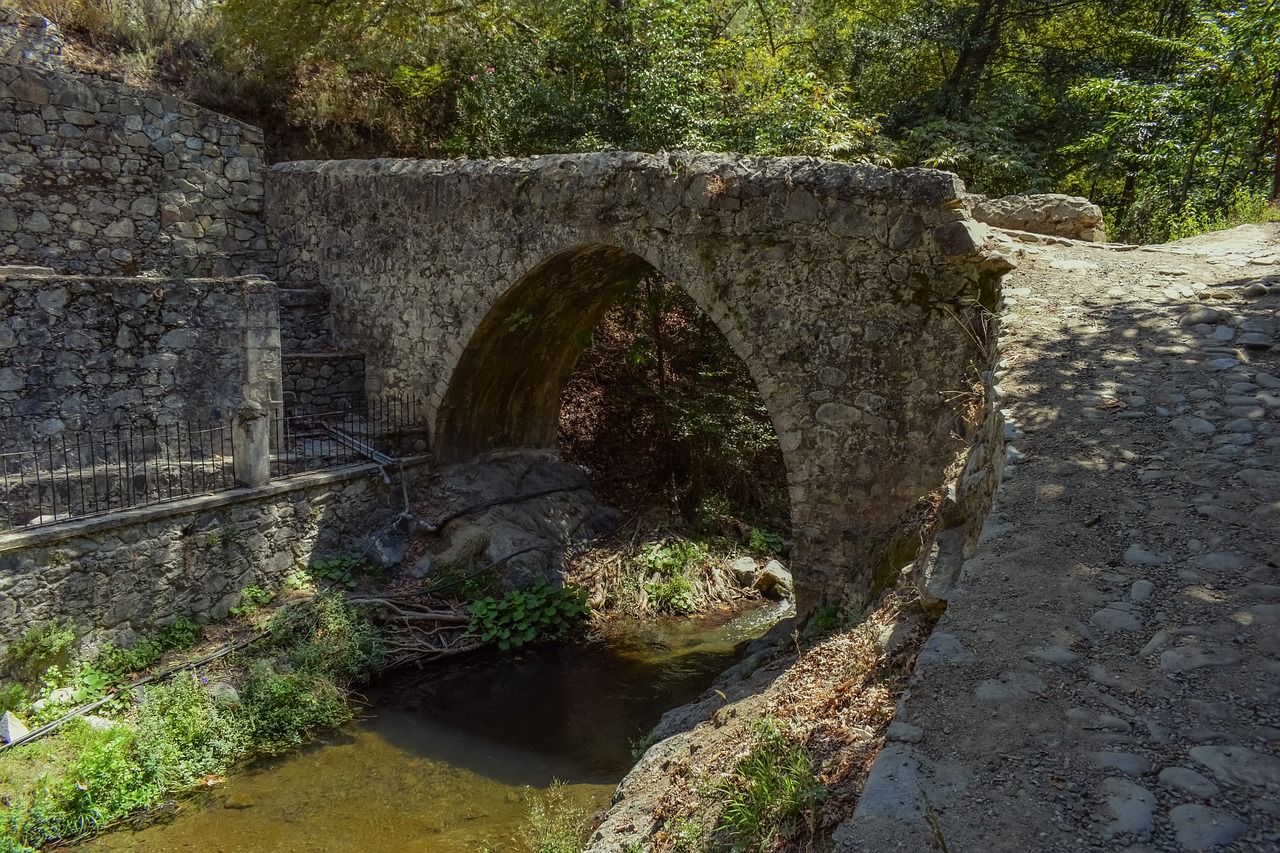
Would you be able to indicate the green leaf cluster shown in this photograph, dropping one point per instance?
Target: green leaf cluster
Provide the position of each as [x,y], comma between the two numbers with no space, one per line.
[83,777]
[337,570]
[522,616]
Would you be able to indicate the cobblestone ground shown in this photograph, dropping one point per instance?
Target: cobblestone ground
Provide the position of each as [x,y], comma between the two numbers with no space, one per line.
[1108,675]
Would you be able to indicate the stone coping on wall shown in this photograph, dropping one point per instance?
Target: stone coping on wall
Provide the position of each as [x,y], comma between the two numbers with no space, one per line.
[75,528]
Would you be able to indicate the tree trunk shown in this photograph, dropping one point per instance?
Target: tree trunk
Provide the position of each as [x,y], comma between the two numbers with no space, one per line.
[1189,175]
[979,44]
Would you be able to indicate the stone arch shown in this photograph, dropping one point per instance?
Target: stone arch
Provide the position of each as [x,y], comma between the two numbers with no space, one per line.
[856,296]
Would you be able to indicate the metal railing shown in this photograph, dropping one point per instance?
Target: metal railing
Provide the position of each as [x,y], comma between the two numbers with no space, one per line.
[80,475]
[85,474]
[381,431]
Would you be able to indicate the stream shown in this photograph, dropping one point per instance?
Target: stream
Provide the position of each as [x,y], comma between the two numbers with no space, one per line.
[446,761]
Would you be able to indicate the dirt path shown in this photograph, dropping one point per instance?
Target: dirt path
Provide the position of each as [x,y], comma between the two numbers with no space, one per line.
[1110,677]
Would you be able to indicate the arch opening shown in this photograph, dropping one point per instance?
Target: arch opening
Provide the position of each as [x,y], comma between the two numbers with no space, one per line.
[596,354]
[505,391]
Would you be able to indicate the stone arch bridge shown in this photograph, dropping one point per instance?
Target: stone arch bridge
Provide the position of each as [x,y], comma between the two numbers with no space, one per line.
[859,298]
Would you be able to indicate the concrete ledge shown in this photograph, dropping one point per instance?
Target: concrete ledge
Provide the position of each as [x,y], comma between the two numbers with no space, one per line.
[76,527]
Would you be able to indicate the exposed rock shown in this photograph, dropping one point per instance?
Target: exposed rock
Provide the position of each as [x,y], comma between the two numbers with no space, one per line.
[223,694]
[744,570]
[774,581]
[11,728]
[1047,213]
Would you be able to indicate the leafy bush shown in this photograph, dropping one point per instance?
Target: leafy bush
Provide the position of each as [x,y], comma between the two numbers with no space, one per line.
[115,661]
[42,646]
[108,782]
[675,594]
[823,621]
[326,637]
[765,542]
[12,697]
[284,709]
[772,794]
[674,562]
[522,616]
[181,634]
[252,599]
[183,734]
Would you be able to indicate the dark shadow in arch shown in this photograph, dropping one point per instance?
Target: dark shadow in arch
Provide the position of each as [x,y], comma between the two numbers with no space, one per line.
[505,391]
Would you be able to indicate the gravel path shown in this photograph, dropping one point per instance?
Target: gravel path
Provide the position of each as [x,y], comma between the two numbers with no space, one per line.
[1108,675]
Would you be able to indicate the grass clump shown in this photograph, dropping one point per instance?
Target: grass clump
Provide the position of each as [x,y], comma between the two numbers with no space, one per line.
[772,794]
[555,823]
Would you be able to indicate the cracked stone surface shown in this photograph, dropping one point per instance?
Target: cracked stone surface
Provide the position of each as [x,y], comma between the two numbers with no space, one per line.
[1131,566]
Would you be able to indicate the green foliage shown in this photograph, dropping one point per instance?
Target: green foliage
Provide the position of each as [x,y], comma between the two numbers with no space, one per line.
[325,638]
[181,634]
[641,745]
[252,599]
[823,621]
[521,616]
[674,594]
[765,542]
[12,697]
[39,648]
[773,794]
[180,733]
[184,735]
[106,783]
[673,563]
[555,823]
[338,570]
[115,662]
[284,709]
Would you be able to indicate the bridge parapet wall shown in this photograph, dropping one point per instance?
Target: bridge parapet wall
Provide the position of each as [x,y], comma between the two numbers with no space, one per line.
[858,297]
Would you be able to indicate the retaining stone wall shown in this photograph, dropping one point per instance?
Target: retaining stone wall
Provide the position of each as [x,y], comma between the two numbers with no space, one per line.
[85,353]
[101,178]
[305,325]
[121,576]
[29,40]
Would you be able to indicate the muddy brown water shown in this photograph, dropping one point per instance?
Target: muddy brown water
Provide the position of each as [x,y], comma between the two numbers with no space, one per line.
[446,763]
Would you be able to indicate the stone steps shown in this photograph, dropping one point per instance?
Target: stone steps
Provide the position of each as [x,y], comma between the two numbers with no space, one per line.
[318,376]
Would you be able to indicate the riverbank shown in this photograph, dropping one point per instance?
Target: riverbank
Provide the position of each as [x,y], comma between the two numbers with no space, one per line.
[774,755]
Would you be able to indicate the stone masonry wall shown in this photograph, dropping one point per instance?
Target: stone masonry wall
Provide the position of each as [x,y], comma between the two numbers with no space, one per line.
[29,40]
[82,353]
[855,296]
[101,178]
[123,575]
[315,383]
